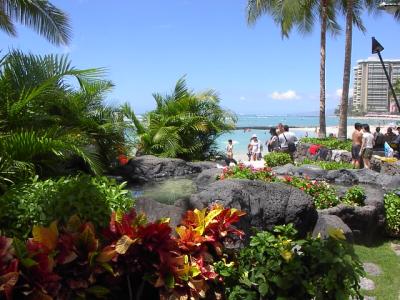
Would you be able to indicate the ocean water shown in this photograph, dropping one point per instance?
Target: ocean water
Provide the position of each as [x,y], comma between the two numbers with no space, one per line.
[241,137]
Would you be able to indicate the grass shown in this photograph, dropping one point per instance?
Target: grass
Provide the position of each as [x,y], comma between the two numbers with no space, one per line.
[387,285]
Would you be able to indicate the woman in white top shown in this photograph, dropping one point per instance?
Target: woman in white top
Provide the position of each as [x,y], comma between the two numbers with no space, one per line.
[366,146]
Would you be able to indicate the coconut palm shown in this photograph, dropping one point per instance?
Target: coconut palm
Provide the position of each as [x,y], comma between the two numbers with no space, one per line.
[184,124]
[301,14]
[45,120]
[41,15]
[353,10]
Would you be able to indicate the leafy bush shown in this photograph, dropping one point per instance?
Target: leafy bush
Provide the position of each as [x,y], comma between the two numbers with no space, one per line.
[242,172]
[330,143]
[354,196]
[40,202]
[323,194]
[274,159]
[72,262]
[392,213]
[328,165]
[276,266]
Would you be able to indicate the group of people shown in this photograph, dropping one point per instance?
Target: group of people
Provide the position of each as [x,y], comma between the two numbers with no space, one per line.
[364,143]
[281,140]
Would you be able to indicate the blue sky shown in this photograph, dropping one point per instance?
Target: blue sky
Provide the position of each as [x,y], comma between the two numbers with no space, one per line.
[148,45]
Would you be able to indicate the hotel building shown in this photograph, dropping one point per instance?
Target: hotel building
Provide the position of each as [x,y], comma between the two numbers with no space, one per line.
[371,89]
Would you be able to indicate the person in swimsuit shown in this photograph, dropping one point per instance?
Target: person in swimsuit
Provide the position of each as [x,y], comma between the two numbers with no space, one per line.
[356,138]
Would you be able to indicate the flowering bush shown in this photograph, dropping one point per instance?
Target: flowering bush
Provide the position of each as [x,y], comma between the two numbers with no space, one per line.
[276,266]
[70,262]
[323,194]
[242,172]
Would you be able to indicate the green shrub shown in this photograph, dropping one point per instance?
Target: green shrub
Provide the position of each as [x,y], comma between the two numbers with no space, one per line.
[323,194]
[40,202]
[330,143]
[354,196]
[276,266]
[274,159]
[328,165]
[392,213]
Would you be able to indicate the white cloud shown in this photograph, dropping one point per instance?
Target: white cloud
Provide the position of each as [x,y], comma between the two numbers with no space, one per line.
[339,92]
[242,98]
[288,95]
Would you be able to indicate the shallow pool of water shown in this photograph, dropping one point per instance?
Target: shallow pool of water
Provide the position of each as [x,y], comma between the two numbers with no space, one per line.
[167,191]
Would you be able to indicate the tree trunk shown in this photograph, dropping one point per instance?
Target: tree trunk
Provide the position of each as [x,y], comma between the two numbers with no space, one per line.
[344,102]
[322,121]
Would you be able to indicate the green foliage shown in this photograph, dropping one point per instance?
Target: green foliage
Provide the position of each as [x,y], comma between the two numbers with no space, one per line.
[330,143]
[184,124]
[242,172]
[354,196]
[42,16]
[392,213]
[40,202]
[328,165]
[274,159]
[47,120]
[277,266]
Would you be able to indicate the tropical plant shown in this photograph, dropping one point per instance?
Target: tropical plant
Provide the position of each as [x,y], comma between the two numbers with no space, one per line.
[46,121]
[274,159]
[392,213]
[133,258]
[184,124]
[242,172]
[330,143]
[277,266]
[40,202]
[41,15]
[301,14]
[354,196]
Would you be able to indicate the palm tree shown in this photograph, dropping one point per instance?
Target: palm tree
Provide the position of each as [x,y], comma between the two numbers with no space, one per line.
[41,15]
[302,14]
[46,121]
[184,124]
[353,10]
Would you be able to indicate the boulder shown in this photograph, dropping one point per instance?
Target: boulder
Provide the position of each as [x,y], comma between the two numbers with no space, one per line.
[327,222]
[148,167]
[266,204]
[344,176]
[155,211]
[311,171]
[287,169]
[207,177]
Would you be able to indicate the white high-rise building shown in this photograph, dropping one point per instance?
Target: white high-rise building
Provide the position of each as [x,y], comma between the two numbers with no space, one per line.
[371,89]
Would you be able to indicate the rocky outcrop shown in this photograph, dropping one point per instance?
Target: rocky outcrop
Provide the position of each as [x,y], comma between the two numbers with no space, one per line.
[207,177]
[266,204]
[155,211]
[326,223]
[147,167]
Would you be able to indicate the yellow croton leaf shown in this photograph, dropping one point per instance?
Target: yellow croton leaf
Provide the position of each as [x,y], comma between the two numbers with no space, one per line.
[106,255]
[336,233]
[287,255]
[47,236]
[124,243]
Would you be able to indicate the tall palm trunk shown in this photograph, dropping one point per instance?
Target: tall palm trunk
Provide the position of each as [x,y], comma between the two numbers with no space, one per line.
[322,121]
[346,74]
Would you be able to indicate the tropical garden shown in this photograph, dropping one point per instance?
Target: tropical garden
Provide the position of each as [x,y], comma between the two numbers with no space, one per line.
[68,231]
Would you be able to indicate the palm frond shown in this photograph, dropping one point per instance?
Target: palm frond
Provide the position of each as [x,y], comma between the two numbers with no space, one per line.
[42,16]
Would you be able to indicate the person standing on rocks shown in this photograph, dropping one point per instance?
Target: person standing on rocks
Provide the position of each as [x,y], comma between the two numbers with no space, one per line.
[356,138]
[367,146]
[229,149]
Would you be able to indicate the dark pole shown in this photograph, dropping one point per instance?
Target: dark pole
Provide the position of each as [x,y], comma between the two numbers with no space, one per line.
[377,48]
[390,83]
